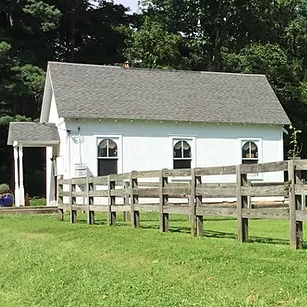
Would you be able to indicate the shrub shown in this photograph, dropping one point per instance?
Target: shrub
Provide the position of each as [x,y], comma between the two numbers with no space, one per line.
[4,188]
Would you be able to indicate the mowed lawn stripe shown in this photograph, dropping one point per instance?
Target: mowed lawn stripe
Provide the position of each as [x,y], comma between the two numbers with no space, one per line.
[49,263]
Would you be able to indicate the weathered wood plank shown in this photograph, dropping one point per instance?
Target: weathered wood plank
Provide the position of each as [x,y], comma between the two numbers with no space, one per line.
[78,181]
[275,190]
[300,189]
[242,202]
[294,227]
[90,201]
[215,211]
[111,202]
[199,200]
[101,180]
[178,184]
[215,170]
[301,215]
[148,184]
[60,214]
[147,207]
[97,193]
[300,164]
[216,185]
[99,208]
[78,194]
[126,202]
[134,200]
[65,207]
[119,177]
[264,167]
[119,192]
[146,192]
[216,192]
[266,213]
[177,209]
[147,174]
[175,191]
[192,203]
[79,207]
[163,201]
[184,172]
[120,208]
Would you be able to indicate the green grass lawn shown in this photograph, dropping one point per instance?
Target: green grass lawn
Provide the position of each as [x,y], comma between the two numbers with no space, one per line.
[45,262]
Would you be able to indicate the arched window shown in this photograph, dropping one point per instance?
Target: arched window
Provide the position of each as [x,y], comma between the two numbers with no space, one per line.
[182,155]
[107,157]
[249,153]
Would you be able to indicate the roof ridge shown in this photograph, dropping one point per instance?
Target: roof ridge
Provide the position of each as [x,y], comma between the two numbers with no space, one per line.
[160,69]
[83,64]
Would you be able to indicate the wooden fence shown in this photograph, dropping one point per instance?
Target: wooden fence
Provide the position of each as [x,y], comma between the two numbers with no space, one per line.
[184,191]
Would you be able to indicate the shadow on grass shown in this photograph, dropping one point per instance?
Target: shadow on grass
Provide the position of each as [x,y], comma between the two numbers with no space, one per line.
[268,240]
[147,224]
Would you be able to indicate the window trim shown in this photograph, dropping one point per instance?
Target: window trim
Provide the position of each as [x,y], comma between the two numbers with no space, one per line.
[258,142]
[107,156]
[118,139]
[249,159]
[190,140]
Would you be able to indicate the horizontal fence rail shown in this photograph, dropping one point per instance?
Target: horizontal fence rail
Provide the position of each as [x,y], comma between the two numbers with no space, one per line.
[190,192]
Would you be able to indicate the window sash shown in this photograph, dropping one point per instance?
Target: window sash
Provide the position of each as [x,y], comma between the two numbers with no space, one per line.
[107,166]
[182,163]
[107,151]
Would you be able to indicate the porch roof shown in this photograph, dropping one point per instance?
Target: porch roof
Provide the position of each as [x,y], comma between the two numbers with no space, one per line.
[33,134]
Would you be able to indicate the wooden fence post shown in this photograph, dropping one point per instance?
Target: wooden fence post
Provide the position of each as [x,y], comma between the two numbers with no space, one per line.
[199,202]
[60,198]
[135,215]
[192,203]
[73,213]
[111,202]
[90,201]
[296,227]
[163,201]
[242,202]
[126,202]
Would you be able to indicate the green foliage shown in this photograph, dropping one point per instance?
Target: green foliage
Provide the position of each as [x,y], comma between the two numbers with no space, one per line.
[48,15]
[33,32]
[257,58]
[4,49]
[55,263]
[4,188]
[38,201]
[296,149]
[152,46]
[6,119]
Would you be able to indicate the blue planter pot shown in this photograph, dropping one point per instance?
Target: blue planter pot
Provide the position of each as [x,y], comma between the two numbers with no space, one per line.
[7,200]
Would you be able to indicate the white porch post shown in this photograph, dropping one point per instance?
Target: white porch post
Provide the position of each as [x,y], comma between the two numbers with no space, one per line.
[21,187]
[17,192]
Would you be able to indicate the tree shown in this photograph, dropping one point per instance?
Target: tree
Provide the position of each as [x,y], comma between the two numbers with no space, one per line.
[33,32]
[152,46]
[90,31]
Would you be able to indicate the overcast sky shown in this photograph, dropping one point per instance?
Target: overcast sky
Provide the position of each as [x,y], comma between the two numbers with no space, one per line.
[133,4]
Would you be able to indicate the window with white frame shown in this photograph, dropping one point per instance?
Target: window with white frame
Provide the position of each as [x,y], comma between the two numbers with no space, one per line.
[250,152]
[107,157]
[182,155]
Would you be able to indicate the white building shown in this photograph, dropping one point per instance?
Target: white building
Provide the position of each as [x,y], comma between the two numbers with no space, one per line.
[97,120]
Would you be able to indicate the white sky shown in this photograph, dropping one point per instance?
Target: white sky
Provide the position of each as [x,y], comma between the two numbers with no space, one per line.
[133,4]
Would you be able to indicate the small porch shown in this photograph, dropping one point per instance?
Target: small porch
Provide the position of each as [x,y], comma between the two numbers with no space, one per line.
[30,134]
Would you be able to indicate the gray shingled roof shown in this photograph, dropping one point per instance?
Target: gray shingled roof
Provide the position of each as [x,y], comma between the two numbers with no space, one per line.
[35,133]
[95,91]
